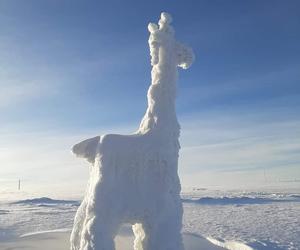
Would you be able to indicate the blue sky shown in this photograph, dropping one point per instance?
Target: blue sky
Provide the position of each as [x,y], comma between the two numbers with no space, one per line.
[72,69]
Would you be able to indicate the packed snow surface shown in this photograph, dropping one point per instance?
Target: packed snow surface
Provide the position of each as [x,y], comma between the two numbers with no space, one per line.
[273,225]
[134,178]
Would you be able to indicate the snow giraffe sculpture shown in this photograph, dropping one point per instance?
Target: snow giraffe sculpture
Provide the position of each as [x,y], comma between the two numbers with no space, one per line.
[133,178]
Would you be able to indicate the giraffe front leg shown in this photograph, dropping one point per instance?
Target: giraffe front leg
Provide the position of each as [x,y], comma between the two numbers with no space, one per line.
[78,224]
[164,232]
[139,234]
[99,233]
[168,234]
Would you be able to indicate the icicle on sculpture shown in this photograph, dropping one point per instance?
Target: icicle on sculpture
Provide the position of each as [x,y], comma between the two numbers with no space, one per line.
[134,177]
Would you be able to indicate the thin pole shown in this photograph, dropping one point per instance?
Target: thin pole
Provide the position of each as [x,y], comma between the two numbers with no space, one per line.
[19,186]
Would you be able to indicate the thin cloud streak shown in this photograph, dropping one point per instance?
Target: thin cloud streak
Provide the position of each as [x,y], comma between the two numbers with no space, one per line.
[213,146]
[238,145]
[265,84]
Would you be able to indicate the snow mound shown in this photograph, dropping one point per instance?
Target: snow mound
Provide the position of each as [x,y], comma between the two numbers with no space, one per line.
[230,245]
[254,245]
[60,230]
[46,201]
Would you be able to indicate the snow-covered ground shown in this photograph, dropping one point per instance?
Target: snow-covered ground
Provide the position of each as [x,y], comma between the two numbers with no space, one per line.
[231,219]
[36,215]
[260,220]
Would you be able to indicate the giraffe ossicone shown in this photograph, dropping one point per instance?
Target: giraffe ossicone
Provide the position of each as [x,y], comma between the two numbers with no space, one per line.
[134,178]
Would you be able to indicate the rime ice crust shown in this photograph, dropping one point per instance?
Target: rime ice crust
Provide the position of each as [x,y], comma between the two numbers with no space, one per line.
[134,177]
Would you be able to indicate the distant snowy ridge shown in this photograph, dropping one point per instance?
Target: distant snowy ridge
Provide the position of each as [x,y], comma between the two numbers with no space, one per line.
[230,245]
[46,201]
[224,200]
[4,211]
[243,200]
[295,196]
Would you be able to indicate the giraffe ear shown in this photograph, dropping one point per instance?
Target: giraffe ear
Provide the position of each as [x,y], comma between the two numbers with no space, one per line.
[152,27]
[87,149]
[166,18]
[185,56]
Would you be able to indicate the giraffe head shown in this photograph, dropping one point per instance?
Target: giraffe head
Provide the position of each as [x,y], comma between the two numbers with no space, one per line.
[163,35]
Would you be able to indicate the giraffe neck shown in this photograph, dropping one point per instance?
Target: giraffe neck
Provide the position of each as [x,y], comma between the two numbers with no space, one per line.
[160,117]
[161,112]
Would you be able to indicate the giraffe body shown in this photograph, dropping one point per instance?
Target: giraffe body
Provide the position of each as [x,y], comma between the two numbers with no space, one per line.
[134,177]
